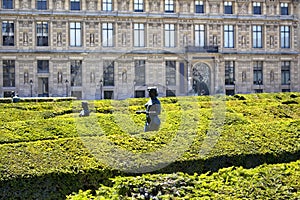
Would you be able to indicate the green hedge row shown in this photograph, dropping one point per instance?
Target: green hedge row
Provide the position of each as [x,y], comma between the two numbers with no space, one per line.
[49,169]
[39,140]
[278,181]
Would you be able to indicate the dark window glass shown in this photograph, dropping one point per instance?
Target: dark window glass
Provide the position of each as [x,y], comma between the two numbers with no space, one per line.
[8,35]
[199,7]
[258,73]
[285,73]
[284,9]
[108,73]
[41,5]
[140,72]
[285,37]
[256,8]
[7,4]
[76,73]
[8,73]
[170,73]
[75,4]
[228,7]
[43,66]
[42,33]
[229,72]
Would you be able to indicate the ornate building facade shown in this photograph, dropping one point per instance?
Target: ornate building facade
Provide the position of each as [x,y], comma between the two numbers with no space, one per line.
[94,49]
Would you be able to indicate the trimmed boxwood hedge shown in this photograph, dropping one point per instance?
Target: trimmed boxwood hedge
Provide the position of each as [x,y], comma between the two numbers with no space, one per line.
[278,181]
[44,144]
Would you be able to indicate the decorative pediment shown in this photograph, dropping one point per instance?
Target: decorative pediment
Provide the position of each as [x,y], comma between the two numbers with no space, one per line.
[271,2]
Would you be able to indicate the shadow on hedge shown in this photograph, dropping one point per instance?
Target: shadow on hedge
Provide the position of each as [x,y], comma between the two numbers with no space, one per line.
[54,185]
[216,163]
[58,185]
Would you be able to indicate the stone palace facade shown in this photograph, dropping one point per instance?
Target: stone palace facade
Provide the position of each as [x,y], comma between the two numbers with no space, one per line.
[94,49]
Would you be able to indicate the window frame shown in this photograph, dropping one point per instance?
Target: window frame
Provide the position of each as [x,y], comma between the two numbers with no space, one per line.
[108,73]
[42,66]
[7,4]
[75,34]
[257,36]
[107,5]
[229,41]
[42,4]
[228,7]
[9,73]
[229,72]
[8,33]
[285,72]
[75,5]
[139,35]
[256,6]
[169,6]
[76,73]
[138,5]
[42,33]
[200,35]
[140,72]
[169,30]
[199,6]
[258,73]
[285,37]
[107,34]
[284,8]
[170,72]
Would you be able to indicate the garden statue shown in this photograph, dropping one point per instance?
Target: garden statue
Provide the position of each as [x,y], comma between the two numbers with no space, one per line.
[85,112]
[153,109]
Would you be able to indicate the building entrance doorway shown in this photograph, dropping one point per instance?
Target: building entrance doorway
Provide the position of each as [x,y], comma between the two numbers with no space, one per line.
[43,87]
[201,79]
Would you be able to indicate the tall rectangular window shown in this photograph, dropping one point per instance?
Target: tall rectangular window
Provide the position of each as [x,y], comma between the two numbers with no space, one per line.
[74,4]
[257,36]
[169,35]
[256,8]
[284,8]
[258,73]
[43,66]
[107,5]
[42,33]
[8,73]
[139,66]
[8,33]
[41,5]
[76,73]
[285,72]
[108,73]
[139,34]
[169,6]
[75,34]
[285,37]
[200,35]
[199,6]
[7,4]
[170,73]
[107,34]
[228,36]
[138,5]
[229,73]
[228,7]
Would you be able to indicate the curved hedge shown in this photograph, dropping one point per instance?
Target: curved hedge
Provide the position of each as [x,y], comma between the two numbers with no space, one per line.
[46,147]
